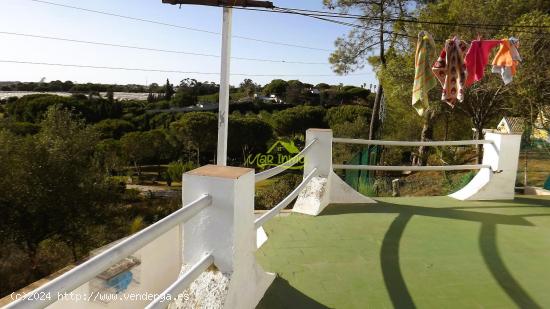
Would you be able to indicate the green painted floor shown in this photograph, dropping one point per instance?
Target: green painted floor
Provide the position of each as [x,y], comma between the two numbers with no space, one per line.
[432,252]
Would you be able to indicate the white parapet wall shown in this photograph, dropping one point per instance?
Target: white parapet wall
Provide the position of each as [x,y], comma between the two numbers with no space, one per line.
[326,187]
[498,182]
[158,265]
[226,229]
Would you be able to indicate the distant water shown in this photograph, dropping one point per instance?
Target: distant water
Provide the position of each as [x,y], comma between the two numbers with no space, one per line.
[117,95]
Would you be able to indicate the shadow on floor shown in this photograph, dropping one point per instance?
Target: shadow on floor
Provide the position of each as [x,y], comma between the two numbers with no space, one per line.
[283,295]
[391,269]
[436,212]
[495,264]
[389,254]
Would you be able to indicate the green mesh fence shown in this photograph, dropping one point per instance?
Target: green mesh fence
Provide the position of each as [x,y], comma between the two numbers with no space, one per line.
[363,179]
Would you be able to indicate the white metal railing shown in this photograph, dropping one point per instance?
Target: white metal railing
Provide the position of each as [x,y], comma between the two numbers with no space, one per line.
[86,271]
[337,140]
[281,168]
[406,167]
[410,168]
[275,210]
[171,293]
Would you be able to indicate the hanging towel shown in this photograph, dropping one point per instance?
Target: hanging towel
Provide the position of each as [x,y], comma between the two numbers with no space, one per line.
[477,58]
[451,71]
[507,59]
[424,80]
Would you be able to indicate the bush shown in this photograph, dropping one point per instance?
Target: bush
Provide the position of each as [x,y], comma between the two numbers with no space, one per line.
[175,170]
[271,195]
[113,128]
[461,182]
[21,128]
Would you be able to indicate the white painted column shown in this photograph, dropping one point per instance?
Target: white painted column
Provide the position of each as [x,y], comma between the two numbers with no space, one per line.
[320,155]
[498,182]
[223,108]
[326,188]
[226,228]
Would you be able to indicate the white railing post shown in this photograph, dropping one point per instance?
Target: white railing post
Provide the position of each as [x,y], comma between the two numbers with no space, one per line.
[326,188]
[498,181]
[320,155]
[226,230]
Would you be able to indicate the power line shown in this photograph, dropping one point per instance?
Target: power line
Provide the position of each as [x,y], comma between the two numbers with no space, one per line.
[163,70]
[412,20]
[153,49]
[324,18]
[176,26]
[323,14]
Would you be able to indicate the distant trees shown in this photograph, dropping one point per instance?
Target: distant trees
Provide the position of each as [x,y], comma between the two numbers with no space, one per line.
[168,90]
[248,135]
[347,113]
[32,108]
[113,128]
[295,121]
[136,148]
[249,87]
[197,130]
[109,156]
[277,87]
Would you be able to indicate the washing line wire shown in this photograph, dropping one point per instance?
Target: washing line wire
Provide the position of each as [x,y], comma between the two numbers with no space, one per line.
[150,21]
[165,70]
[153,49]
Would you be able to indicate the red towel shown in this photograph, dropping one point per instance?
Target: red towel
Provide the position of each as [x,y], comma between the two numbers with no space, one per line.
[477,58]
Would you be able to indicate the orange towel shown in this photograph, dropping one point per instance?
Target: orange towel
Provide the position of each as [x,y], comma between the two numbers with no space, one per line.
[507,60]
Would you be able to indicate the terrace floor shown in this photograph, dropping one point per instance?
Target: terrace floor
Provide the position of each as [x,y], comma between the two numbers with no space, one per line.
[429,252]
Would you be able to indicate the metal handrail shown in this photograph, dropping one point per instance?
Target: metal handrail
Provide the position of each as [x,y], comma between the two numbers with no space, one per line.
[410,168]
[406,143]
[281,168]
[86,271]
[171,293]
[275,210]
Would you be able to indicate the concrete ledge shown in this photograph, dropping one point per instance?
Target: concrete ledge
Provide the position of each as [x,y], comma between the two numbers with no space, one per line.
[535,191]
[220,171]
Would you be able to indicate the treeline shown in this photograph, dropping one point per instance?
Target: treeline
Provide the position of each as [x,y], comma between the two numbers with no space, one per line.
[69,86]
[166,136]
[191,92]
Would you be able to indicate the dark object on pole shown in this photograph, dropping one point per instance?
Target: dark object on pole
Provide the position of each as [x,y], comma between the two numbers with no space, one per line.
[243,3]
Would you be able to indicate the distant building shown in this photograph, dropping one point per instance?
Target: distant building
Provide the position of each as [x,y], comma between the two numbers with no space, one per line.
[541,131]
[268,99]
[511,125]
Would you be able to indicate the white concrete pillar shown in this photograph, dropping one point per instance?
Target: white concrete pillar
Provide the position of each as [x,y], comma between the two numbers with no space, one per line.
[326,187]
[226,228]
[498,182]
[320,154]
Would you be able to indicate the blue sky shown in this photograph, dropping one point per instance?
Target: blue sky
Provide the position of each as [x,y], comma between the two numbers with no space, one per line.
[29,17]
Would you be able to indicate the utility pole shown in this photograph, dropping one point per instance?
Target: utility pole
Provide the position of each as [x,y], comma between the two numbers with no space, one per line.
[223,108]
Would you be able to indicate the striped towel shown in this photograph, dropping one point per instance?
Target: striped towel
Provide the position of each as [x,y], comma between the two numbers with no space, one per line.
[424,80]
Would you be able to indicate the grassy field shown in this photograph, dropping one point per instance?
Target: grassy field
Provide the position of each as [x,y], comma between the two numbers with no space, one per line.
[425,252]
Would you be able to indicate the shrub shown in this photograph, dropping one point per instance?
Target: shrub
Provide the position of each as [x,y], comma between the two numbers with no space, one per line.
[271,195]
[176,169]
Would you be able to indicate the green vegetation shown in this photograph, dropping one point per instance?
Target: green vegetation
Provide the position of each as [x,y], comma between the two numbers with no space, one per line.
[65,161]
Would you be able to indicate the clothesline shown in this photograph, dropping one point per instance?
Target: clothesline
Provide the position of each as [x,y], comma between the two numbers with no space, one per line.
[459,66]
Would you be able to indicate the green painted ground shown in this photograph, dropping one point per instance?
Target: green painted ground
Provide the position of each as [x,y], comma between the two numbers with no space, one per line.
[432,252]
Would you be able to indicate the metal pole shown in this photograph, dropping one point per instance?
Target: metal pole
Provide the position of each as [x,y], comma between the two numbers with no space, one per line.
[223,111]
